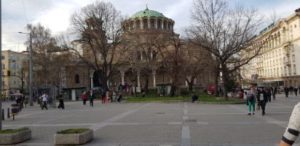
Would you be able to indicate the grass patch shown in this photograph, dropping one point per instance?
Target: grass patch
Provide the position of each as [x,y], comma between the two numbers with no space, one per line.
[10,131]
[73,131]
[203,98]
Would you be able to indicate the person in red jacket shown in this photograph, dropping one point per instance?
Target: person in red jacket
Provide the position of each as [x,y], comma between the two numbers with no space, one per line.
[84,97]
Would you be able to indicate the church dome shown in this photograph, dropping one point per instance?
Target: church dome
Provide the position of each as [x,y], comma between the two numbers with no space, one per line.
[147,13]
[148,21]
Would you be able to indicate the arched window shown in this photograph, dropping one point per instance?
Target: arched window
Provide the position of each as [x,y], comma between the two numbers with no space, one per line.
[77,80]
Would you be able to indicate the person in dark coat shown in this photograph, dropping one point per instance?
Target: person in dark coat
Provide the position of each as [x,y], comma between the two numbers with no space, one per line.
[286,91]
[61,102]
[194,98]
[295,91]
[274,92]
[120,97]
[264,99]
[91,98]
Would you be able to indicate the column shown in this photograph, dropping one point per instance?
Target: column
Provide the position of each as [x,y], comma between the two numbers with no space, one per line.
[91,80]
[154,78]
[148,23]
[141,24]
[138,81]
[123,77]
[73,93]
[156,25]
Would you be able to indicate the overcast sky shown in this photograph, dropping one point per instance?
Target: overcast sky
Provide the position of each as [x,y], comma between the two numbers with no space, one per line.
[55,14]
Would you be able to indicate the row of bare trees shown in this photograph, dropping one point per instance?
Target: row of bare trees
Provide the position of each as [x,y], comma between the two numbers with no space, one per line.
[215,41]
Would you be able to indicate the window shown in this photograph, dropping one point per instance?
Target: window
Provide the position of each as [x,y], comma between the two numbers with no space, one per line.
[3,57]
[77,81]
[3,66]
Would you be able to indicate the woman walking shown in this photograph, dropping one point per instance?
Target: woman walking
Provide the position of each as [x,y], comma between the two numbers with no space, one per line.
[251,101]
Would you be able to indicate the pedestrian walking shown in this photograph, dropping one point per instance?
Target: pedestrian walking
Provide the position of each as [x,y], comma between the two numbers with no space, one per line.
[269,94]
[84,97]
[251,101]
[61,102]
[120,97]
[295,91]
[274,92]
[103,97]
[259,94]
[44,99]
[293,129]
[91,98]
[286,91]
[264,99]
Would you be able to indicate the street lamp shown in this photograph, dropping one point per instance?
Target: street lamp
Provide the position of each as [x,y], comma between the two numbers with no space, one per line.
[1,65]
[30,67]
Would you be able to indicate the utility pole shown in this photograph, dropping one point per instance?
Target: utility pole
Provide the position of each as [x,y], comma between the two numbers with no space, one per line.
[30,70]
[30,67]
[1,65]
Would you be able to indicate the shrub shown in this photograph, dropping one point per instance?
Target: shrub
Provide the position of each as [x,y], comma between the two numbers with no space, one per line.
[73,131]
[8,131]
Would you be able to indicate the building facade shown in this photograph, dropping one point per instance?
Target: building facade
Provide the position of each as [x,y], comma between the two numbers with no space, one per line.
[13,70]
[279,60]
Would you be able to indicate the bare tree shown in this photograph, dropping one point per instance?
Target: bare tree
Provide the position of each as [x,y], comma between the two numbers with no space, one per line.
[197,62]
[98,26]
[173,54]
[225,32]
[48,57]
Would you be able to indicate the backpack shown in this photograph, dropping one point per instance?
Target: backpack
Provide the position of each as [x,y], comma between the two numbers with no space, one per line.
[250,97]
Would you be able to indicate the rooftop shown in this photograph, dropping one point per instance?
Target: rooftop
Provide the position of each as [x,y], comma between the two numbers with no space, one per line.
[147,13]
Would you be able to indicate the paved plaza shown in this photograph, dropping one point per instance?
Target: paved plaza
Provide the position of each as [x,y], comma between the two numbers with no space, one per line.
[160,124]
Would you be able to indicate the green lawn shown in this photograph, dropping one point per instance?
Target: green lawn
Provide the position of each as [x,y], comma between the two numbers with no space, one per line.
[203,98]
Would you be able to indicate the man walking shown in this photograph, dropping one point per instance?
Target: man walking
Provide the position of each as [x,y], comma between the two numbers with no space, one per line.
[91,98]
[61,102]
[44,101]
[264,99]
[286,91]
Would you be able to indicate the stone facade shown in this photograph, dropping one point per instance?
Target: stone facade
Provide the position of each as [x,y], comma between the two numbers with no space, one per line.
[13,71]
[279,61]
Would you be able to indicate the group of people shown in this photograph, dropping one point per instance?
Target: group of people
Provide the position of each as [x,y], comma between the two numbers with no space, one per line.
[106,96]
[44,100]
[290,90]
[260,97]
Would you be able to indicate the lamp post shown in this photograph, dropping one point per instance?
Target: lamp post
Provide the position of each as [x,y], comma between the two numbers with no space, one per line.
[1,65]
[30,67]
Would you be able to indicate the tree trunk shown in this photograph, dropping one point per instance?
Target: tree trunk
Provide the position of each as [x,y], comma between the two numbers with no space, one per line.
[217,82]
[173,90]
[225,79]
[146,86]
[190,84]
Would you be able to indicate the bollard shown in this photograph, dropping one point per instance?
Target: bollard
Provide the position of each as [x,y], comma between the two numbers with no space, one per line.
[3,116]
[8,113]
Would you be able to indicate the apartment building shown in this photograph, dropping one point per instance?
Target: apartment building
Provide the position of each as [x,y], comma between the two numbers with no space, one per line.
[279,59]
[13,71]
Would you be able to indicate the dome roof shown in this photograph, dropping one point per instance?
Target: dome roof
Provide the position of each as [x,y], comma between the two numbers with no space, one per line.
[147,13]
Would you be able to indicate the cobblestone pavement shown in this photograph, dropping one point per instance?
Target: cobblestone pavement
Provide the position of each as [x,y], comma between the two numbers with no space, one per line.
[159,124]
